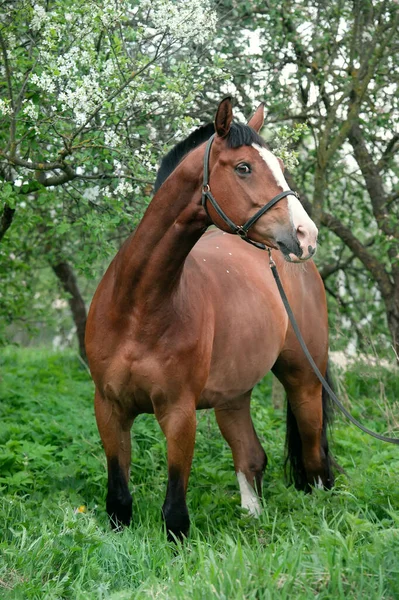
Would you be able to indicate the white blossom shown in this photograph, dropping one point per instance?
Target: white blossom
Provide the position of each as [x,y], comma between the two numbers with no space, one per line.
[30,109]
[44,82]
[5,107]
[112,11]
[40,17]
[124,188]
[111,138]
[183,19]
[144,157]
[82,97]
[92,193]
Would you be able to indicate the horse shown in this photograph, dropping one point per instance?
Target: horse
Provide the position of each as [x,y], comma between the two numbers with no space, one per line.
[188,319]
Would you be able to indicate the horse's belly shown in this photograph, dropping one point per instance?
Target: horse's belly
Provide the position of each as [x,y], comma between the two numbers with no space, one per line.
[241,358]
[250,322]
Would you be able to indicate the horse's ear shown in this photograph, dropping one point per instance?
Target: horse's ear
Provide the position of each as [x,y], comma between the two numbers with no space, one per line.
[224,117]
[258,118]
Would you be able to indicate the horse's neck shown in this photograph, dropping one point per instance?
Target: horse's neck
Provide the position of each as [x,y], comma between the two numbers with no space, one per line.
[150,263]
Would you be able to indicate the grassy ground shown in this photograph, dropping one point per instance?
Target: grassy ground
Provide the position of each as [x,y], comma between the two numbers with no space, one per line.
[55,541]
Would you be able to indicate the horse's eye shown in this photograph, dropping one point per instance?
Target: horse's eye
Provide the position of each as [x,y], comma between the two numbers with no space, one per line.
[243,169]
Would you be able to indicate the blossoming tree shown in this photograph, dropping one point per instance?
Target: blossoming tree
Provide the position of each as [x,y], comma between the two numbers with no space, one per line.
[91,91]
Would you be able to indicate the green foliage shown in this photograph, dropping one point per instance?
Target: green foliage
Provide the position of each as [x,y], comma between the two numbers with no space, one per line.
[56,541]
[284,138]
[93,93]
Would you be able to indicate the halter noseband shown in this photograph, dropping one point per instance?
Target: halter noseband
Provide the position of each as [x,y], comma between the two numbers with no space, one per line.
[241,230]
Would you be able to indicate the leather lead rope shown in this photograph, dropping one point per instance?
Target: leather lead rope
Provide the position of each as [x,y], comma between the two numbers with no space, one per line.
[320,377]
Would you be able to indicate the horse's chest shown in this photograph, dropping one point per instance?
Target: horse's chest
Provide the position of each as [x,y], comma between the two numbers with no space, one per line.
[140,375]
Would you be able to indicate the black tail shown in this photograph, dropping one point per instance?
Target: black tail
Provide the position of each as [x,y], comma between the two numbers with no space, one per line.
[293,466]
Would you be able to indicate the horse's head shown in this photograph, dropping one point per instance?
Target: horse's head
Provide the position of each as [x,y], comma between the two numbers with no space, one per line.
[244,177]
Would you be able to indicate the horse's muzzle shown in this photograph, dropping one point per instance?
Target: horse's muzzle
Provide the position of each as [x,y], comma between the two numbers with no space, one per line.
[292,250]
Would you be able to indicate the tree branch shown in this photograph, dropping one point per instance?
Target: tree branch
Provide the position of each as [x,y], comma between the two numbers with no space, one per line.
[390,150]
[32,165]
[348,310]
[330,269]
[361,82]
[67,172]
[373,265]
[372,178]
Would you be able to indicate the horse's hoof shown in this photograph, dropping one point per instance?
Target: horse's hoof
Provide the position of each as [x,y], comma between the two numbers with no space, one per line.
[177,525]
[119,513]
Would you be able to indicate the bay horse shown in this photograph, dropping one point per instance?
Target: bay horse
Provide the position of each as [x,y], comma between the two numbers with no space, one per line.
[185,320]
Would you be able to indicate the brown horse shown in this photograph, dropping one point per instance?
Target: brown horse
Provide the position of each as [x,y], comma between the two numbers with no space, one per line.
[183,321]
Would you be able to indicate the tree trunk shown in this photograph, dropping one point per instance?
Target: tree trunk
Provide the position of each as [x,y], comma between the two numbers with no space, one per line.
[392,310]
[6,220]
[69,283]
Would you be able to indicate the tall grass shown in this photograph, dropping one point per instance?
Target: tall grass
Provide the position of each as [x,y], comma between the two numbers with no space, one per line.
[56,542]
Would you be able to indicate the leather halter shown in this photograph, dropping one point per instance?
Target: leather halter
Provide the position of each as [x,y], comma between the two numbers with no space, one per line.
[241,230]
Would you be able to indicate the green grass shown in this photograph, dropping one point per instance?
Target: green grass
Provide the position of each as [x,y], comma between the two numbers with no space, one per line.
[340,544]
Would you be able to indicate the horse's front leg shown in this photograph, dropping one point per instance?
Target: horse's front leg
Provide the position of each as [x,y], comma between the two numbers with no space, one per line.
[250,460]
[178,422]
[114,428]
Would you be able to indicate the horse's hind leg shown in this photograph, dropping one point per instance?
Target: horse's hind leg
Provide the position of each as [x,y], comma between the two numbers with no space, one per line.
[178,423]
[249,458]
[114,430]
[307,419]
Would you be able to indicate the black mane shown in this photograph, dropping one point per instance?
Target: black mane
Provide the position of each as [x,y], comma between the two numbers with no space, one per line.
[239,135]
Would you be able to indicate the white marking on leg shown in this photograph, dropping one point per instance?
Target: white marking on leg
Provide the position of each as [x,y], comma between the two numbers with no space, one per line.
[319,483]
[249,499]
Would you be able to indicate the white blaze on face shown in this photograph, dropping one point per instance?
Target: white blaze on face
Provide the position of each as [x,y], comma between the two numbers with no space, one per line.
[299,217]
[249,499]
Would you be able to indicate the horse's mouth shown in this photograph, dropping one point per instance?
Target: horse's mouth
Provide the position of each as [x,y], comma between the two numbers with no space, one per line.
[295,254]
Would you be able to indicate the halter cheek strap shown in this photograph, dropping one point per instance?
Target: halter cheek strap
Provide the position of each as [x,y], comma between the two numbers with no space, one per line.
[241,230]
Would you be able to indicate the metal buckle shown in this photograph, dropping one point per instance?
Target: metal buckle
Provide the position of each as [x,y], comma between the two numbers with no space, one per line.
[206,188]
[271,261]
[241,232]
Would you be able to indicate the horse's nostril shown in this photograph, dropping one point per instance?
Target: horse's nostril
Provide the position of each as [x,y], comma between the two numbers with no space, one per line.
[301,233]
